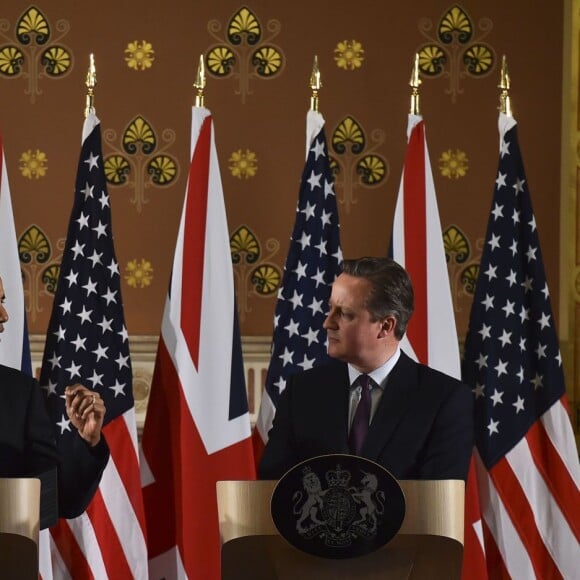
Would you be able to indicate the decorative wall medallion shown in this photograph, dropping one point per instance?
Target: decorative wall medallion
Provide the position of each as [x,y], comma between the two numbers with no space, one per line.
[463,267]
[33,164]
[354,163]
[139,55]
[455,52]
[349,54]
[139,273]
[40,269]
[453,164]
[244,52]
[254,276]
[33,53]
[243,164]
[139,162]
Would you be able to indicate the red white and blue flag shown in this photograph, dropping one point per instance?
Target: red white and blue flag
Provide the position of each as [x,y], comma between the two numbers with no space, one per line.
[417,245]
[14,346]
[527,463]
[87,342]
[197,428]
[314,261]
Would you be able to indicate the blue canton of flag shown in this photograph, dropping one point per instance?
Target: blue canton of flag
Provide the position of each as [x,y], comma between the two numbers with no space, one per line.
[512,358]
[87,341]
[314,261]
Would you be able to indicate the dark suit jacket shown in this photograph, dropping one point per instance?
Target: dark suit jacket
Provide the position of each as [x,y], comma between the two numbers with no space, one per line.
[28,446]
[422,428]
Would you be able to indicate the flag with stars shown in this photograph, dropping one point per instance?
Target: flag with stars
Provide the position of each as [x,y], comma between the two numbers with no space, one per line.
[87,342]
[314,260]
[527,463]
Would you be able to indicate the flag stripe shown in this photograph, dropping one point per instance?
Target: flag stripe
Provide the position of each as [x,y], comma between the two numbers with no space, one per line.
[552,526]
[111,549]
[556,422]
[561,486]
[493,564]
[415,216]
[505,538]
[417,244]
[194,240]
[69,551]
[124,463]
[520,511]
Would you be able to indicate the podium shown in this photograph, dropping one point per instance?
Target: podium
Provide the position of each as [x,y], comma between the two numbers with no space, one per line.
[429,543]
[19,525]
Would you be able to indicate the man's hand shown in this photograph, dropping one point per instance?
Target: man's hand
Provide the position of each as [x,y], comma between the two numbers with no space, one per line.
[86,410]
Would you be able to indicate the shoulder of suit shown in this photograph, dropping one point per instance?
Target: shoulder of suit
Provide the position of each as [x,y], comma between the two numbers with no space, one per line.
[429,373]
[321,373]
[14,377]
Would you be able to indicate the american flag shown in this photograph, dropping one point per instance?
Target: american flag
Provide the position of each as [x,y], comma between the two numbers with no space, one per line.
[197,428]
[417,244]
[528,474]
[87,342]
[314,260]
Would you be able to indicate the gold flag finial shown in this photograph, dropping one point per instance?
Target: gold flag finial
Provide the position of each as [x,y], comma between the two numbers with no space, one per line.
[505,105]
[91,82]
[415,83]
[199,83]
[315,85]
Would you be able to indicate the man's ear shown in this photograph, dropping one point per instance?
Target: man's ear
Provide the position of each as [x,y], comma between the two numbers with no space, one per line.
[388,326]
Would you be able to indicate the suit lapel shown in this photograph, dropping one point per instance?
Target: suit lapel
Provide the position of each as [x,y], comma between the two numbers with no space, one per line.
[398,398]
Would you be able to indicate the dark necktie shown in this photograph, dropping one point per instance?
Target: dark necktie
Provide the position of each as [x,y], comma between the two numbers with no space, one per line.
[362,416]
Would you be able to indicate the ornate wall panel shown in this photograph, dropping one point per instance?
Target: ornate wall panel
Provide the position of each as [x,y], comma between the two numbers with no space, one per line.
[259,57]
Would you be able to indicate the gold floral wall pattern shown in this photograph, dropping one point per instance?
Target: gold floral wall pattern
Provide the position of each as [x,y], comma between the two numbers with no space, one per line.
[355,162]
[139,160]
[456,50]
[139,273]
[40,268]
[245,52]
[254,273]
[453,164]
[349,55]
[139,56]
[33,164]
[463,267]
[35,51]
[243,164]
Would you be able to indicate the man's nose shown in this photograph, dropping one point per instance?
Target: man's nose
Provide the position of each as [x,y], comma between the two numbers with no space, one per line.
[328,321]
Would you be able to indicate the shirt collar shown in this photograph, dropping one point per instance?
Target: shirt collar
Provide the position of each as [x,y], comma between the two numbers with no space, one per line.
[378,375]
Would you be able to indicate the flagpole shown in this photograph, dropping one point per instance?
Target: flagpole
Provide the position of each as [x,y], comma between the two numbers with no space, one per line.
[199,83]
[504,84]
[91,83]
[415,83]
[315,85]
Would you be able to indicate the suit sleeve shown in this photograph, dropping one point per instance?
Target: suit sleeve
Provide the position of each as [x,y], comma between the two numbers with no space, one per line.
[79,466]
[279,455]
[450,444]
[79,473]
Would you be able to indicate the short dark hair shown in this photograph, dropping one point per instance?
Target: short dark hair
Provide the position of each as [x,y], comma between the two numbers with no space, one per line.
[391,293]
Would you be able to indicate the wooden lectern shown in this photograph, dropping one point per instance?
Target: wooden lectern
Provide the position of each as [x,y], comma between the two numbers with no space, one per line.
[19,525]
[428,545]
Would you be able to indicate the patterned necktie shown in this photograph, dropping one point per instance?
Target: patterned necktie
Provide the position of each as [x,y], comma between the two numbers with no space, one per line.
[362,416]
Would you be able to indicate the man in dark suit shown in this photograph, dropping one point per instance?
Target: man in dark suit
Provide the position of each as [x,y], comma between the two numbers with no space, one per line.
[27,440]
[416,421]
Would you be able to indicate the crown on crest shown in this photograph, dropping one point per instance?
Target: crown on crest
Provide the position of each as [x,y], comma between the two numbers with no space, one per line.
[338,477]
